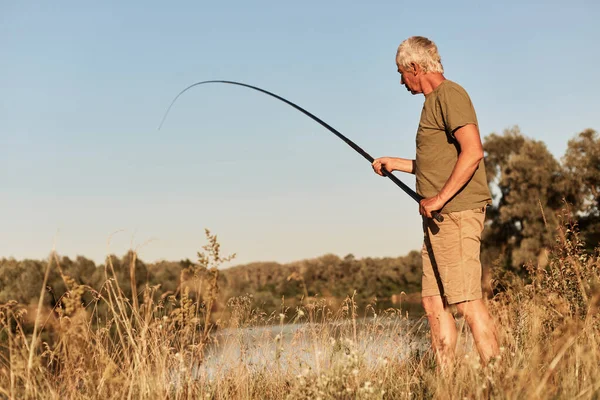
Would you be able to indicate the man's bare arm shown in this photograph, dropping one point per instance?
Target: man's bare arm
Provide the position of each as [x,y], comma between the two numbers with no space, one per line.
[471,153]
[394,164]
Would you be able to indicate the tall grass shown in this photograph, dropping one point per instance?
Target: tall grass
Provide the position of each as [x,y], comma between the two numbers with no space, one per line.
[172,346]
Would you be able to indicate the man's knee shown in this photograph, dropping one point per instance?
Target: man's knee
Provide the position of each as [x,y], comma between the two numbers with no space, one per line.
[471,309]
[433,305]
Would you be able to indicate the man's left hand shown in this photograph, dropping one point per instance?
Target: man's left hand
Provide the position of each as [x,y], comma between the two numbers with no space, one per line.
[427,206]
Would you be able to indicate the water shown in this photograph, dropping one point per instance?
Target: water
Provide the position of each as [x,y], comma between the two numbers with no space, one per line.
[297,348]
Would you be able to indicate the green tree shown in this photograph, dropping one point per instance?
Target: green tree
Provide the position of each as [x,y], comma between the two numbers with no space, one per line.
[582,164]
[528,186]
[21,280]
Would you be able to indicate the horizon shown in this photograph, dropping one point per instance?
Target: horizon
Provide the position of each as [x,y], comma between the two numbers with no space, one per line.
[233,264]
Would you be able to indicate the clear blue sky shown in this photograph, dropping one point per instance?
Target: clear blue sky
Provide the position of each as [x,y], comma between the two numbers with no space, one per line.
[84,85]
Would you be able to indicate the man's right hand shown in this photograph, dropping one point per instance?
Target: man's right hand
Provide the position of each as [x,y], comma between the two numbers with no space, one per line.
[383,162]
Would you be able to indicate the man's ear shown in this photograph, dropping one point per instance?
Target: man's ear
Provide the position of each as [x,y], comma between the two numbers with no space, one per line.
[415,69]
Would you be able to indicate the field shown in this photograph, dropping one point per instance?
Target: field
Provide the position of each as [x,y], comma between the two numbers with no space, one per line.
[173,346]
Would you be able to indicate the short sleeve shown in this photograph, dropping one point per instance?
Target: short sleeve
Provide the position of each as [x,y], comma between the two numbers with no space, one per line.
[457,109]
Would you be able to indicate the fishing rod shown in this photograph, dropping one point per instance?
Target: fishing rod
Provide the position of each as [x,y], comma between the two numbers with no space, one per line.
[438,217]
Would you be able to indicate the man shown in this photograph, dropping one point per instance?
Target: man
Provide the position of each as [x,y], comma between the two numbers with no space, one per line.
[451,179]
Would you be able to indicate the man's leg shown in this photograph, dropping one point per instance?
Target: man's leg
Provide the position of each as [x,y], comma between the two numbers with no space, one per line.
[482,326]
[456,246]
[443,329]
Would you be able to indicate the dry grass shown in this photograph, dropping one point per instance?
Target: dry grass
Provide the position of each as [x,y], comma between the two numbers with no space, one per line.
[167,346]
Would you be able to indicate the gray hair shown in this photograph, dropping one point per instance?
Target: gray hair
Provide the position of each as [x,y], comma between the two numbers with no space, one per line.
[421,51]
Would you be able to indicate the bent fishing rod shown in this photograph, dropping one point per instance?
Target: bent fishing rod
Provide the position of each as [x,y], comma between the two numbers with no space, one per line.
[438,217]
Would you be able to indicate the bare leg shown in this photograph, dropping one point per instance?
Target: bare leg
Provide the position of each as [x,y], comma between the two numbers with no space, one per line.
[482,326]
[443,329]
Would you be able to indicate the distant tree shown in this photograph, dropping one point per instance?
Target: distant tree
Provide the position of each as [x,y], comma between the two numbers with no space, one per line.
[528,186]
[582,163]
[122,272]
[167,274]
[21,280]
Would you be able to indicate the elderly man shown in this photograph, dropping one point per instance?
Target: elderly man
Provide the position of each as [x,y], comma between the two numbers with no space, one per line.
[451,179]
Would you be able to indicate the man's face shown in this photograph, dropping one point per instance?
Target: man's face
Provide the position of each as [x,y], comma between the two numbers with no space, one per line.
[410,79]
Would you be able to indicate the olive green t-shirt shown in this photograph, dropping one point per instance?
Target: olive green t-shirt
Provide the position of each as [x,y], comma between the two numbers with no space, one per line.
[445,110]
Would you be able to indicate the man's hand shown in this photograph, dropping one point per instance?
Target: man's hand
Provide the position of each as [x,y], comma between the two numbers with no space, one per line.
[383,162]
[427,206]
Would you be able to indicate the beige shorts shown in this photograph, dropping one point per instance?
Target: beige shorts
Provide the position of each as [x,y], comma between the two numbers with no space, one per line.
[451,264]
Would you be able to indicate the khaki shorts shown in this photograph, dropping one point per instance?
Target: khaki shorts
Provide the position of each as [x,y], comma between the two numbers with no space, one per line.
[451,264]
